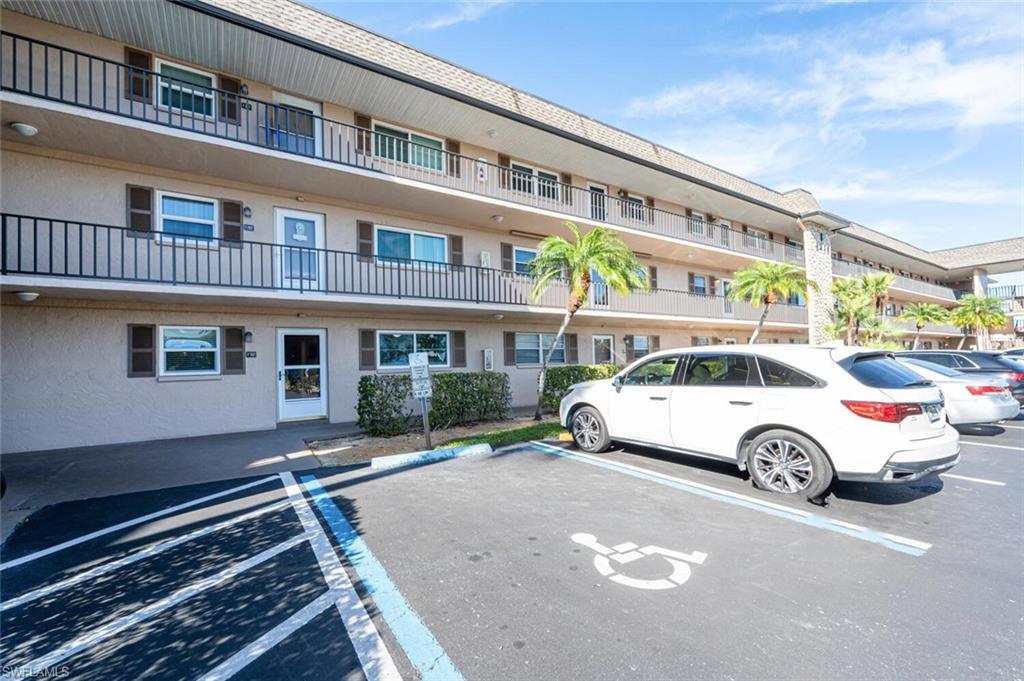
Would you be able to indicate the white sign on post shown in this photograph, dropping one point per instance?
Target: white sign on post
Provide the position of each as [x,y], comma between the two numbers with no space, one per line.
[419,369]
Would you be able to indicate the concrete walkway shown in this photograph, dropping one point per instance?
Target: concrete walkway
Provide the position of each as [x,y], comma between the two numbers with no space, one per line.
[38,479]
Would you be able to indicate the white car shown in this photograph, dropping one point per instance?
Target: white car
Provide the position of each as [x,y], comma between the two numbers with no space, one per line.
[969,398]
[795,417]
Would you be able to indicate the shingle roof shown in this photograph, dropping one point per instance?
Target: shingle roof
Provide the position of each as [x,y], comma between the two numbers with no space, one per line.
[972,255]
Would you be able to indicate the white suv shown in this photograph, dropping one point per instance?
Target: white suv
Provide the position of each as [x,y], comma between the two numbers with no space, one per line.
[794,416]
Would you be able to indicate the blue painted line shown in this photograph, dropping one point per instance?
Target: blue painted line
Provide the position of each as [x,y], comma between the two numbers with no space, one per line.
[812,520]
[429,456]
[420,646]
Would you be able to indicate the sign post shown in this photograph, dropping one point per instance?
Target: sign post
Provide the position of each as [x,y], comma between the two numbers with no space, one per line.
[419,368]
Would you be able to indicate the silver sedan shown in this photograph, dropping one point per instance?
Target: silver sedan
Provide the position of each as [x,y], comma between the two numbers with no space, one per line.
[970,398]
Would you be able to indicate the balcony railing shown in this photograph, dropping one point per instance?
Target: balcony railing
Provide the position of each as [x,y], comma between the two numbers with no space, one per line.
[56,73]
[63,248]
[845,268]
[1006,291]
[911,328]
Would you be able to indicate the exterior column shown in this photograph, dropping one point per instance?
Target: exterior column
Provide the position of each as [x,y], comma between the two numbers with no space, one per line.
[818,263]
[979,281]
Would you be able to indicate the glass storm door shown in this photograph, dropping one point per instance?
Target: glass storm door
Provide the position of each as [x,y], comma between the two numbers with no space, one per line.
[301,257]
[301,374]
[598,202]
[726,301]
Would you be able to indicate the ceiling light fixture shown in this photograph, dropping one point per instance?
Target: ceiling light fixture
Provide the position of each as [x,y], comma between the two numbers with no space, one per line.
[26,296]
[492,133]
[25,130]
[498,218]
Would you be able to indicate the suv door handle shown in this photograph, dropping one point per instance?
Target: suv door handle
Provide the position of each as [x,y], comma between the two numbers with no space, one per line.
[740,403]
[659,398]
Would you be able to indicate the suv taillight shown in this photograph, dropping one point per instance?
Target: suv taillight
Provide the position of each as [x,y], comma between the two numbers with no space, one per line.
[889,412]
[1016,376]
[986,390]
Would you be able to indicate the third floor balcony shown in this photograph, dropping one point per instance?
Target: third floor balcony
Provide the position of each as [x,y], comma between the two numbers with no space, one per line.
[845,268]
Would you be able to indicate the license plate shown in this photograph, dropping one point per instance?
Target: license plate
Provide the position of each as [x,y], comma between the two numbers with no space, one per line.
[933,411]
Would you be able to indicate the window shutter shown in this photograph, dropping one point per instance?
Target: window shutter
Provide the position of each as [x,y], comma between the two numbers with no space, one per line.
[712,282]
[454,149]
[630,352]
[690,278]
[231,220]
[138,82]
[140,208]
[228,106]
[363,136]
[503,173]
[655,343]
[652,277]
[367,349]
[693,341]
[715,340]
[510,349]
[567,190]
[141,350]
[506,257]
[572,349]
[649,201]
[232,354]
[455,250]
[364,238]
[458,348]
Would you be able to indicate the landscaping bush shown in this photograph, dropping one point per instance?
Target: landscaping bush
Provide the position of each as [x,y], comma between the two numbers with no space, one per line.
[383,406]
[558,379]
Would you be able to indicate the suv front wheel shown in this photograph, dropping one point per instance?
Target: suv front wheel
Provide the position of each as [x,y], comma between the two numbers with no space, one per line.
[589,431]
[785,462]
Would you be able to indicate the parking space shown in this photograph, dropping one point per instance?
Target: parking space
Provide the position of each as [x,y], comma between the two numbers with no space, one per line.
[534,562]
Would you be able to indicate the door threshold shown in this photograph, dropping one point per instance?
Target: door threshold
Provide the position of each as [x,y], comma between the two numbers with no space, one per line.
[300,419]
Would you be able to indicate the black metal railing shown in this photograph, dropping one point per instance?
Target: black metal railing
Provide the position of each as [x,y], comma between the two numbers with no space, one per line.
[48,247]
[68,76]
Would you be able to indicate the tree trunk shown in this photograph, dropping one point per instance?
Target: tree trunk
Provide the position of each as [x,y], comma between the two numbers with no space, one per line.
[963,339]
[760,323]
[849,330]
[917,336]
[547,360]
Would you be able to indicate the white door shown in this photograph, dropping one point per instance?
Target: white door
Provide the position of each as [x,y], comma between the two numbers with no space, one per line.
[640,406]
[604,349]
[598,202]
[598,290]
[301,374]
[300,259]
[726,301]
[715,406]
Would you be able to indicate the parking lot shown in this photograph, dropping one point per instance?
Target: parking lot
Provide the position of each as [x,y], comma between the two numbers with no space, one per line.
[534,562]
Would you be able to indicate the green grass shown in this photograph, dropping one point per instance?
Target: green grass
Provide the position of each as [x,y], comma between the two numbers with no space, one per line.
[497,438]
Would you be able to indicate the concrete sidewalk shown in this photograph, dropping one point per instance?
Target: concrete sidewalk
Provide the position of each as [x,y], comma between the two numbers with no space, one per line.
[38,479]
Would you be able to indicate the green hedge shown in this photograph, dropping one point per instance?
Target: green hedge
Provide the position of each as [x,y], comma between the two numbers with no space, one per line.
[558,380]
[459,398]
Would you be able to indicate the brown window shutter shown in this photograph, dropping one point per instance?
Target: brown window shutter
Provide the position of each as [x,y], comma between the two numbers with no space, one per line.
[712,284]
[652,277]
[690,278]
[654,343]
[367,349]
[649,201]
[455,250]
[506,257]
[138,82]
[454,149]
[630,352]
[364,231]
[232,354]
[572,348]
[503,173]
[458,349]
[140,208]
[716,340]
[363,145]
[231,220]
[228,108]
[567,190]
[141,350]
[510,349]
[693,341]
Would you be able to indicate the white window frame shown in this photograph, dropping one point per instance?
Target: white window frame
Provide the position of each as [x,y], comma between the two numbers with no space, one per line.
[416,262]
[540,358]
[407,131]
[181,239]
[534,170]
[611,346]
[516,250]
[706,341]
[162,371]
[158,62]
[729,340]
[413,332]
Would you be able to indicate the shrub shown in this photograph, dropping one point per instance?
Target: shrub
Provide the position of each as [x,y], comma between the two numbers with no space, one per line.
[383,406]
[558,379]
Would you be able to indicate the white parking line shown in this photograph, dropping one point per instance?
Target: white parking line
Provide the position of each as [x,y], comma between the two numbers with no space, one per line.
[130,523]
[986,444]
[981,480]
[120,624]
[137,556]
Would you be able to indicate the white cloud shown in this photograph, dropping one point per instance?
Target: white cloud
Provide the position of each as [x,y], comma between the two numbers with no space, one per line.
[464,11]
[932,190]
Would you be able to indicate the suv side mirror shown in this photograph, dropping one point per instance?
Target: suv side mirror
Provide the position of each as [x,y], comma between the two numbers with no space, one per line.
[617,382]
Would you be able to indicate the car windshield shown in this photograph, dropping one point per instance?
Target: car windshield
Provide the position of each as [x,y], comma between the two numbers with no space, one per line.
[932,366]
[882,371]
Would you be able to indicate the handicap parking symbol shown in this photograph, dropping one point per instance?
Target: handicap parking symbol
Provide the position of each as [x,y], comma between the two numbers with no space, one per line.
[628,552]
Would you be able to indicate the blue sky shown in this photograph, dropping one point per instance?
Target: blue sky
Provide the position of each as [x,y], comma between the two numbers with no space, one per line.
[904,117]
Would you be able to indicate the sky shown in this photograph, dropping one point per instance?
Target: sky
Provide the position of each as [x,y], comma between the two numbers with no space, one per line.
[908,118]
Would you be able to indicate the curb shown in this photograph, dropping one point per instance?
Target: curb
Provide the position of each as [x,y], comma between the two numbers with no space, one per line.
[428,456]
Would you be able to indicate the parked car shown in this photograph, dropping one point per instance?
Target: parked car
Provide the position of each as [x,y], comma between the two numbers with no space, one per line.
[974,362]
[795,417]
[969,398]
[1013,353]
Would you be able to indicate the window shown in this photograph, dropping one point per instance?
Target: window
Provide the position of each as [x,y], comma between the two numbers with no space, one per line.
[641,346]
[185,89]
[523,259]
[702,341]
[941,360]
[656,372]
[604,349]
[190,216]
[189,350]
[633,207]
[529,180]
[720,370]
[700,284]
[532,347]
[408,147]
[796,298]
[775,374]
[394,347]
[729,341]
[393,243]
[882,371]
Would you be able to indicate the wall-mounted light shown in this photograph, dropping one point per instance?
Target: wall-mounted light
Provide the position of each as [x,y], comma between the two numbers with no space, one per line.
[499,317]
[24,129]
[247,212]
[26,296]
[492,133]
[247,336]
[497,218]
[243,89]
[300,199]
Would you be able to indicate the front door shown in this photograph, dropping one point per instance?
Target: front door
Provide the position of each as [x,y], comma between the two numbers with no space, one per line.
[301,374]
[726,300]
[301,257]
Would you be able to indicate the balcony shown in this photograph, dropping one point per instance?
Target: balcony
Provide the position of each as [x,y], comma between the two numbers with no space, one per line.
[42,247]
[910,328]
[57,74]
[1006,292]
[845,268]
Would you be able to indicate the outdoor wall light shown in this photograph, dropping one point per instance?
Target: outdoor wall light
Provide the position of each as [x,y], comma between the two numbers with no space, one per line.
[499,317]
[26,296]
[247,336]
[243,89]
[498,218]
[492,133]
[247,212]
[25,129]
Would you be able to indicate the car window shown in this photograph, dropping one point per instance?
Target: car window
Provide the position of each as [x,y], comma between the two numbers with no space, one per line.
[882,371]
[932,366]
[720,370]
[775,374]
[987,361]
[656,372]
[941,360]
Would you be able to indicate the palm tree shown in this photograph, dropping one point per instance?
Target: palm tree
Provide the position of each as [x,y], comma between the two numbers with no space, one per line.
[876,287]
[764,283]
[600,250]
[852,305]
[921,314]
[980,313]
[881,333]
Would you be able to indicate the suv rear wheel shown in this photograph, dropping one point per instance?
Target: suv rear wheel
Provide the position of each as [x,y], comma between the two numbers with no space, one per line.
[589,430]
[785,462]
